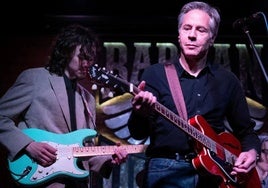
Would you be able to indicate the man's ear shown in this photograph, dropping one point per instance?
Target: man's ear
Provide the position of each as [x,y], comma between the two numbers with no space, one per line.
[211,42]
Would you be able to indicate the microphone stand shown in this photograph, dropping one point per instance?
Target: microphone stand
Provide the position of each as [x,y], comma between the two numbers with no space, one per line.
[246,31]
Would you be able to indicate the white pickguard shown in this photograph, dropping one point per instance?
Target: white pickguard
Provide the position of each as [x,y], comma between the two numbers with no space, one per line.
[65,163]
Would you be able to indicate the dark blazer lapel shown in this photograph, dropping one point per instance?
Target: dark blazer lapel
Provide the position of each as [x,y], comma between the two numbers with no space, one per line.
[58,85]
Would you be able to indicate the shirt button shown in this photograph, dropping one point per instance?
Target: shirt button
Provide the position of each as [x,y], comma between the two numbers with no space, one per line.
[198,94]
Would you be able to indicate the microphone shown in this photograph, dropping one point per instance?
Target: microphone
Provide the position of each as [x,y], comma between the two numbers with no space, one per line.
[246,21]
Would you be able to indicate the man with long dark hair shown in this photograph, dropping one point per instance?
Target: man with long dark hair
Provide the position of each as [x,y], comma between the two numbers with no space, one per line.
[50,98]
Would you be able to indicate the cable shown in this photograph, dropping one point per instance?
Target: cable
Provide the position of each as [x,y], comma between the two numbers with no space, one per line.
[265,20]
[25,173]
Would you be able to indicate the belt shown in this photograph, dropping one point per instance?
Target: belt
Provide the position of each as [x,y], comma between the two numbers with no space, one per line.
[176,156]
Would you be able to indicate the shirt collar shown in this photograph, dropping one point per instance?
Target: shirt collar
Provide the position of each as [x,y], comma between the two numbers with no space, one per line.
[208,68]
[70,84]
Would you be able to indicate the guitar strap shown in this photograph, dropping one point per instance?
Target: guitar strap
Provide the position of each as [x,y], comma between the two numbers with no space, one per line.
[175,88]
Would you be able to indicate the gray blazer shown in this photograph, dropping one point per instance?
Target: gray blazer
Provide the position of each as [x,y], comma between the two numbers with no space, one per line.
[38,99]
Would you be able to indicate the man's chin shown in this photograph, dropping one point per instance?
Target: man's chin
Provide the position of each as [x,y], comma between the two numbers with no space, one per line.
[190,52]
[81,76]
[194,55]
[191,56]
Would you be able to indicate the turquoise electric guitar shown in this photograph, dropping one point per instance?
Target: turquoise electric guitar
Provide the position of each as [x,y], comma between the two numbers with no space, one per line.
[70,147]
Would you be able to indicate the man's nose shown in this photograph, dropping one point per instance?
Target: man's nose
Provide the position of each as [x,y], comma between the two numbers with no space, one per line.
[192,34]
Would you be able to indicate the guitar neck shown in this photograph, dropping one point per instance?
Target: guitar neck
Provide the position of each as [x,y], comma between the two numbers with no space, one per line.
[182,124]
[106,150]
[122,85]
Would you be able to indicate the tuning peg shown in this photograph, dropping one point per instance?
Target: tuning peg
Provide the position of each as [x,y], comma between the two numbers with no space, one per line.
[110,94]
[102,90]
[94,87]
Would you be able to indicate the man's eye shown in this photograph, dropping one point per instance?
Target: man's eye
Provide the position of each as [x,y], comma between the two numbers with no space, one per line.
[202,31]
[85,57]
[82,57]
[187,28]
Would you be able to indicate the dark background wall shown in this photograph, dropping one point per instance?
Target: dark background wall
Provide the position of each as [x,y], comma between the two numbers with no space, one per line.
[28,27]
[115,18]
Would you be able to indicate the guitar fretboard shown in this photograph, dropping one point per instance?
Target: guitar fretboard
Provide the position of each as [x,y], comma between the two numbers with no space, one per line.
[106,150]
[191,130]
[174,118]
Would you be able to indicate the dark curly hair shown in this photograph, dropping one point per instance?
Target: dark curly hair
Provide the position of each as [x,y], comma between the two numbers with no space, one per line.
[66,42]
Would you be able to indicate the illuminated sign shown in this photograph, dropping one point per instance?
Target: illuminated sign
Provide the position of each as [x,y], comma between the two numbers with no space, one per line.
[129,59]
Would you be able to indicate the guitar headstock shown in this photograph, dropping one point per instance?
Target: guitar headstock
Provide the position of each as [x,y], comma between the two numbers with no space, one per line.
[107,79]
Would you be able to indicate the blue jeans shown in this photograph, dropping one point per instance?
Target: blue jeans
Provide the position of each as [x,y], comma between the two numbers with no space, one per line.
[169,173]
